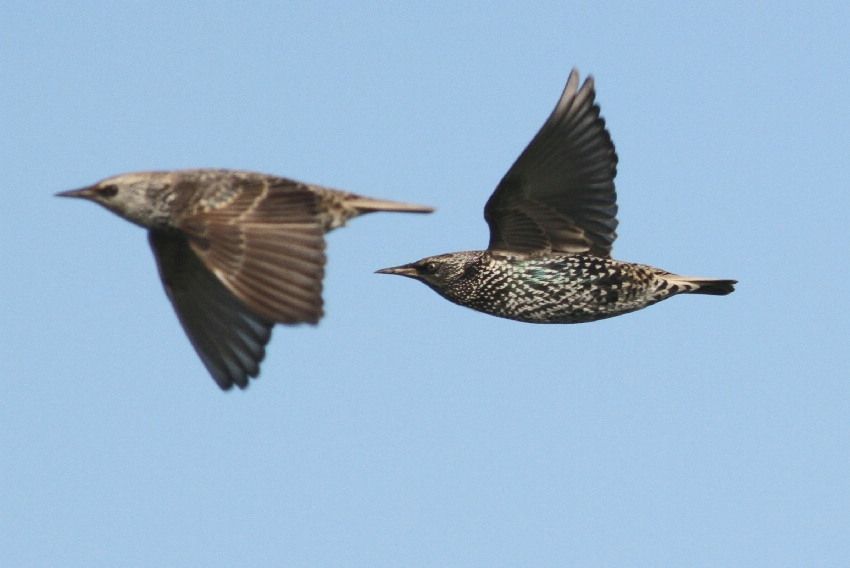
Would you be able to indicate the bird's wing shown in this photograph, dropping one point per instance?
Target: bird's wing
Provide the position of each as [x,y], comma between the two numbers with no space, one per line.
[229,338]
[559,194]
[266,245]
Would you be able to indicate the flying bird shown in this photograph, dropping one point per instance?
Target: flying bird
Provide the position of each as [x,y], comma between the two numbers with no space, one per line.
[553,220]
[237,252]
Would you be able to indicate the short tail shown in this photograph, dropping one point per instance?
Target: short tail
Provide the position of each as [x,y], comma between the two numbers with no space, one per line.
[369,205]
[712,286]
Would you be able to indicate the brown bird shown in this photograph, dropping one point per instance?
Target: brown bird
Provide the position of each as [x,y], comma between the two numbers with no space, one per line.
[237,252]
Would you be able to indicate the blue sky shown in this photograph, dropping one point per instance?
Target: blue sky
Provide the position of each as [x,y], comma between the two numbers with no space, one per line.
[404,430]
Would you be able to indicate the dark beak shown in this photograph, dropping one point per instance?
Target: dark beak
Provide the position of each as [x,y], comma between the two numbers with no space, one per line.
[84,193]
[404,270]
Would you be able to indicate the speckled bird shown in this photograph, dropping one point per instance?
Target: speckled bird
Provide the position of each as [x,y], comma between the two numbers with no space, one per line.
[237,252]
[553,220]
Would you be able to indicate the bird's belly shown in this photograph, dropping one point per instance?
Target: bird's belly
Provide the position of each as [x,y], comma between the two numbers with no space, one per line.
[559,309]
[580,298]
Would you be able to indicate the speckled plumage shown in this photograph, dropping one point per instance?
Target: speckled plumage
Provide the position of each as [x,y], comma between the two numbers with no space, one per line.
[237,252]
[552,224]
[555,289]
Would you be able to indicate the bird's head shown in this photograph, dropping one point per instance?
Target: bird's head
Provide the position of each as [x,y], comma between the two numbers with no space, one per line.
[439,272]
[135,196]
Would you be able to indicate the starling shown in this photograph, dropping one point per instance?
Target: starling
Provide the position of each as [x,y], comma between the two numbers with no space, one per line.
[552,222]
[237,252]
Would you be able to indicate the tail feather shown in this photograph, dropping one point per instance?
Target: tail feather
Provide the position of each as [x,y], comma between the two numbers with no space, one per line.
[712,286]
[369,205]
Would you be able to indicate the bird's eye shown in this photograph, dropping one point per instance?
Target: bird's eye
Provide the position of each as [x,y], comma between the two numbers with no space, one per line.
[107,191]
[429,267]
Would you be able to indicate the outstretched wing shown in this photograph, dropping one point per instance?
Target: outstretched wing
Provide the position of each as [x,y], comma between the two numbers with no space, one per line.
[559,194]
[229,338]
[265,243]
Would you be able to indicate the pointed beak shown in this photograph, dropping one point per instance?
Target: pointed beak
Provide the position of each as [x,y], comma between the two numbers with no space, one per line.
[403,270]
[83,193]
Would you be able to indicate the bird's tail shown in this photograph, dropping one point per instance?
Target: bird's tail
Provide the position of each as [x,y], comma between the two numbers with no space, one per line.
[713,286]
[370,205]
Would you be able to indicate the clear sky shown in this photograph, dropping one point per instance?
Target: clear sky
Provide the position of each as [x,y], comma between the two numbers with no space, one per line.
[405,430]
